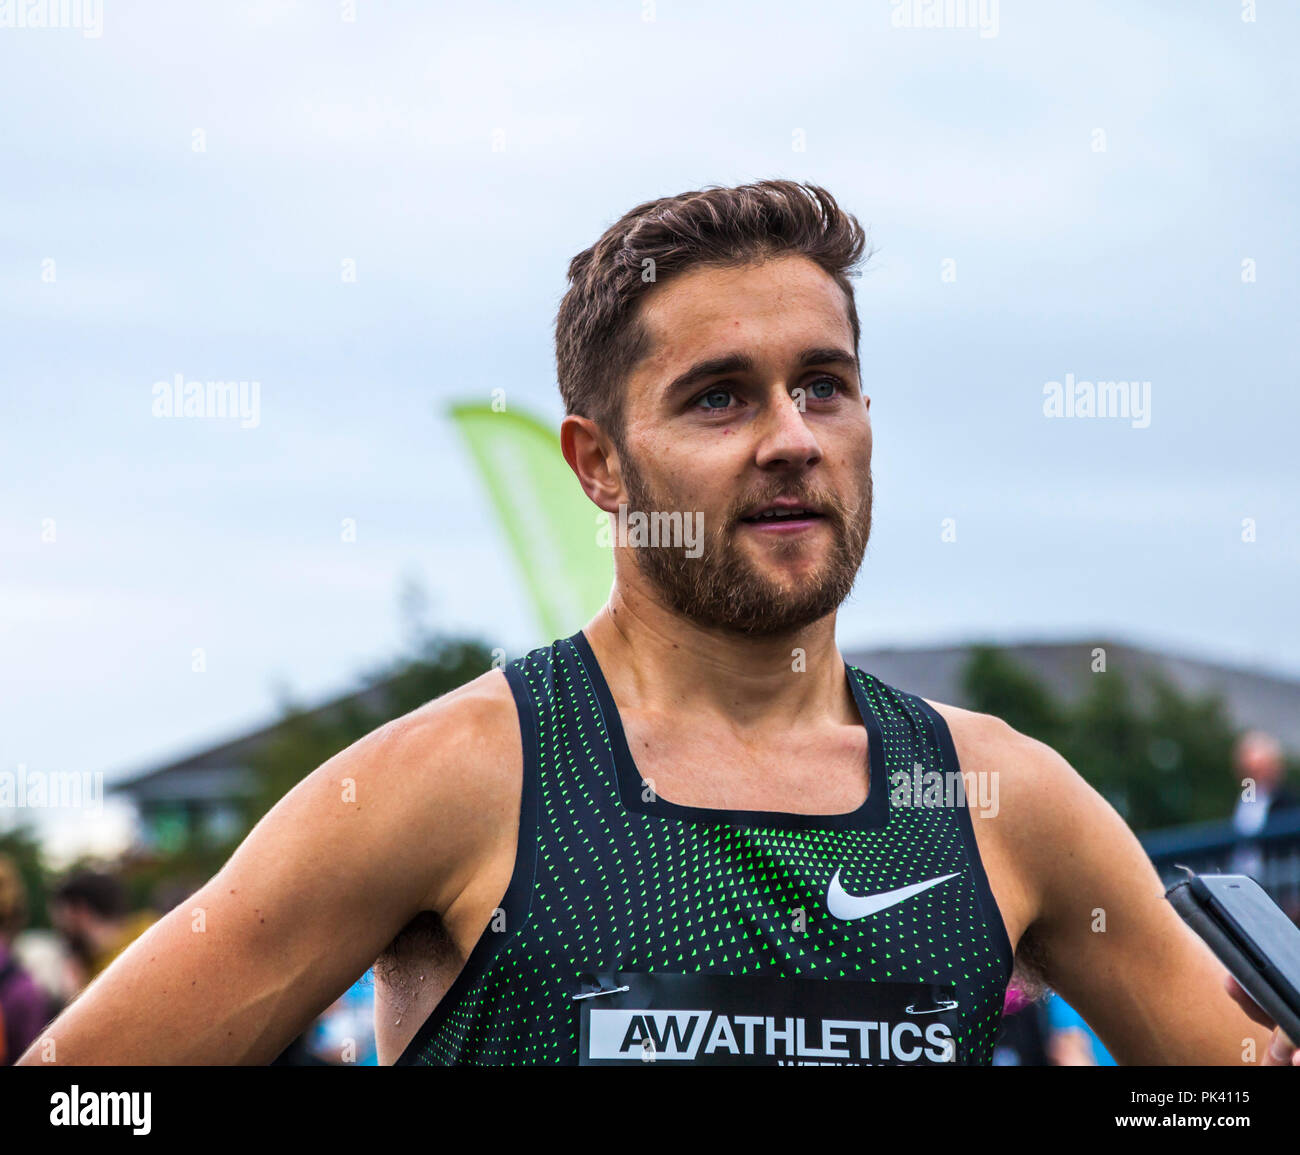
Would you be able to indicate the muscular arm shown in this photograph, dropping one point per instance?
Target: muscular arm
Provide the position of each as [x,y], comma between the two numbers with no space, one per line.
[398,823]
[1105,937]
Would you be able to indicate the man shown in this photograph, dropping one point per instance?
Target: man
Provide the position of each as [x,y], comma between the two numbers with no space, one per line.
[1260,771]
[690,803]
[24,1006]
[89,909]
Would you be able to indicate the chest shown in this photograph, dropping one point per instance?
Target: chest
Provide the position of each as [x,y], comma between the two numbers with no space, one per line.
[730,943]
[810,772]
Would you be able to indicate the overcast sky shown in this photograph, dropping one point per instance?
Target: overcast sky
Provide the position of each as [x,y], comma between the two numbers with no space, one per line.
[180,192]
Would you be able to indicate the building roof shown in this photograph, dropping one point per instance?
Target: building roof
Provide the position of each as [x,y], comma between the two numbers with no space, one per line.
[222,771]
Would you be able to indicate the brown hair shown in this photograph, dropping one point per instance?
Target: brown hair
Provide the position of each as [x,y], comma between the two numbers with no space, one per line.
[102,893]
[599,338]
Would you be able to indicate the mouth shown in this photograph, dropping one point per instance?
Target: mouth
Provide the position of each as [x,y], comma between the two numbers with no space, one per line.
[783,517]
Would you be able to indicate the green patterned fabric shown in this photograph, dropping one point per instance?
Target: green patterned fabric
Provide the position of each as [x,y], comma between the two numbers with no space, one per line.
[610,878]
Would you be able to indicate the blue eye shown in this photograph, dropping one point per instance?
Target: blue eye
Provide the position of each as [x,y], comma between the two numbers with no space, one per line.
[824,388]
[721,395]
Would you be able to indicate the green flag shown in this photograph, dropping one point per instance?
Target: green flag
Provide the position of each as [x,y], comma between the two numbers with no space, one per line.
[548,520]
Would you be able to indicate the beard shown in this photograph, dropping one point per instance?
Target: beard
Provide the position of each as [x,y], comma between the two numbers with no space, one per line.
[79,946]
[724,589]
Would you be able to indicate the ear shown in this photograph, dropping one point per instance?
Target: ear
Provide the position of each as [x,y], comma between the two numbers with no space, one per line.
[592,457]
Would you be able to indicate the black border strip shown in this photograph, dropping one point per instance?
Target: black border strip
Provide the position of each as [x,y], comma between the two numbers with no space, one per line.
[874,811]
[983,891]
[517,901]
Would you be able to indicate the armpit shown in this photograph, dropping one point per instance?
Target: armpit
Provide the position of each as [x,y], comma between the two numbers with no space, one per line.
[1031,965]
[415,960]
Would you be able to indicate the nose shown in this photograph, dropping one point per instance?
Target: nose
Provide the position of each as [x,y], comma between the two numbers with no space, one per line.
[786,440]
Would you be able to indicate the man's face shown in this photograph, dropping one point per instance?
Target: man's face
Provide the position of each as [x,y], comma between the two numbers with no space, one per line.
[788,429]
[1259,758]
[70,919]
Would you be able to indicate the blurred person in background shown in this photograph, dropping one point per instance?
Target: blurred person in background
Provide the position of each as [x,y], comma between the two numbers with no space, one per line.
[1070,1041]
[1260,771]
[24,1006]
[89,910]
[345,1033]
[45,957]
[1258,765]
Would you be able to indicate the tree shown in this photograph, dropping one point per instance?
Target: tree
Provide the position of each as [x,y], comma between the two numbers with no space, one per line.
[1159,756]
[21,845]
[995,684]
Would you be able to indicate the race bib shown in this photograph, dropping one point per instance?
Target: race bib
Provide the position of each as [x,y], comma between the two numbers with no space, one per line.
[727,1020]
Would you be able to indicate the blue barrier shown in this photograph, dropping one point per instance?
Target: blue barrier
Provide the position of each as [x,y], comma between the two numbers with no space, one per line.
[1271,857]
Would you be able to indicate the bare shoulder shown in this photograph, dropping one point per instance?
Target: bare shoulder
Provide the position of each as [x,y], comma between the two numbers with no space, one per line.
[1033,778]
[457,761]
[983,736]
[466,732]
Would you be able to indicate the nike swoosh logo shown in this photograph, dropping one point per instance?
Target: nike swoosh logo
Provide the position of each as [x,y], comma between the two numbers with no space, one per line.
[847,906]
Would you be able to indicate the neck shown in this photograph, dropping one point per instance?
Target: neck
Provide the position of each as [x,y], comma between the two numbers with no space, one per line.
[657,661]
